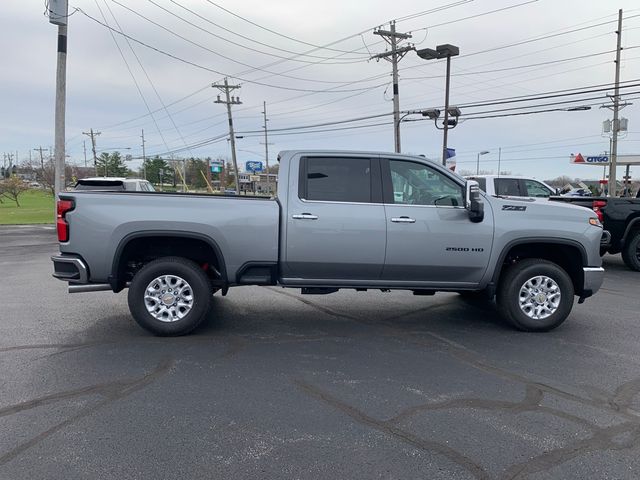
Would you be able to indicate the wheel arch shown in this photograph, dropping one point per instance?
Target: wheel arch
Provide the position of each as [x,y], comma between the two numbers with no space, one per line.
[195,246]
[634,225]
[568,254]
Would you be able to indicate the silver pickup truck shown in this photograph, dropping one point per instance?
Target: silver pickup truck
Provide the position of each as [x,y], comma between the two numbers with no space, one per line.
[359,220]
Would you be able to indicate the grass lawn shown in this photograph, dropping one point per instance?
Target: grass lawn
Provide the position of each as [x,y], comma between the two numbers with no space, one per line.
[36,206]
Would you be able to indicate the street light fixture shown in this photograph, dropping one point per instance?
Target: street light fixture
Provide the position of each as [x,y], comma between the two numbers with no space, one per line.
[443,51]
[483,152]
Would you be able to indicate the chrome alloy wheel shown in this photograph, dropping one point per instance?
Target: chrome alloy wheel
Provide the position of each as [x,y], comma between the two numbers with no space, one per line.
[539,297]
[168,298]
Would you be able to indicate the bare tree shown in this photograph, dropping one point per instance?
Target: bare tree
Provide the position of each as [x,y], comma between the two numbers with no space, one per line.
[12,188]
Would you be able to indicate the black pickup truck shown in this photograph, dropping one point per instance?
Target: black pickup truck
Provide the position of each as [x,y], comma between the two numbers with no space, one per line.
[621,218]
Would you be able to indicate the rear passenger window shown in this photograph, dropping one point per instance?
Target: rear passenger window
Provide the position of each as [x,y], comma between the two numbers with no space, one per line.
[336,179]
[508,187]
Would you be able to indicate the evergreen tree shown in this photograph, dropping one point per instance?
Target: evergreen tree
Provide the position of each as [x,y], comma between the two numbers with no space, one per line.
[111,165]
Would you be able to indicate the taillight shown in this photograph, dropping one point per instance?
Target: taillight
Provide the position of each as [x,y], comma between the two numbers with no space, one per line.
[597,208]
[64,206]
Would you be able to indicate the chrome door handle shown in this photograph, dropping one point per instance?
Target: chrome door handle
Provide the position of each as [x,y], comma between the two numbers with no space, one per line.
[304,216]
[403,219]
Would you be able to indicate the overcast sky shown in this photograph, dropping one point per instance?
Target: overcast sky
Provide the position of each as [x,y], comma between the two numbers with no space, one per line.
[525,50]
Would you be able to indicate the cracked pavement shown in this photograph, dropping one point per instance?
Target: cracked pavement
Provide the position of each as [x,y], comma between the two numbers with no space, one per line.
[355,385]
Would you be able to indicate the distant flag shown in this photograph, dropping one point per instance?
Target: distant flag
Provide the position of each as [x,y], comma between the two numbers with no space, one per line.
[450,160]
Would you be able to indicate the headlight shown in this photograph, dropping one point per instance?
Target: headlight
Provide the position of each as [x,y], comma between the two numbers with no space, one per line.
[595,222]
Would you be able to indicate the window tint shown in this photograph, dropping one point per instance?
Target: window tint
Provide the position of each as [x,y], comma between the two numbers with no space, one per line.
[338,179]
[417,184]
[536,189]
[509,187]
[110,185]
[482,182]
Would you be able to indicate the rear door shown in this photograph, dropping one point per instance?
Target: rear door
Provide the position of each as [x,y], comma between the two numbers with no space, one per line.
[335,220]
[429,235]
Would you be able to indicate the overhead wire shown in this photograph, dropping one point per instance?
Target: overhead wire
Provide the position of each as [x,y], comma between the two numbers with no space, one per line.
[166,110]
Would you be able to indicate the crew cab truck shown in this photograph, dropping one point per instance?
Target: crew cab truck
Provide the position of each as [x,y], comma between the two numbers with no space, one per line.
[513,186]
[621,218]
[341,219]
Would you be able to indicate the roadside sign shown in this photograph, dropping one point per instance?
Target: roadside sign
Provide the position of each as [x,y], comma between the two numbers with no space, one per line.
[216,168]
[253,166]
[604,159]
[589,159]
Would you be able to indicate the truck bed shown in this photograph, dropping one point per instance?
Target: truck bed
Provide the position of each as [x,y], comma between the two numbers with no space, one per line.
[107,219]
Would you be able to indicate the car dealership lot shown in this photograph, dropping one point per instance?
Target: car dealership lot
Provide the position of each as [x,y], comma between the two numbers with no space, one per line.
[279,385]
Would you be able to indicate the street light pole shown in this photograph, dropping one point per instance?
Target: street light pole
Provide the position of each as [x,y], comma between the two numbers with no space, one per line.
[442,51]
[446,113]
[483,152]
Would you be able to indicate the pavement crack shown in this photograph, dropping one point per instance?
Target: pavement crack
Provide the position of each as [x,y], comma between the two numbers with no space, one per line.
[394,431]
[314,305]
[604,439]
[111,392]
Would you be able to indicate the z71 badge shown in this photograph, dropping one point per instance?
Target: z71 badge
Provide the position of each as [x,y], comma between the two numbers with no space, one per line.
[514,208]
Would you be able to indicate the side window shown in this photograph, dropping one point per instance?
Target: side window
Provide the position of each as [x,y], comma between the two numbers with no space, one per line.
[336,179]
[536,189]
[508,187]
[417,184]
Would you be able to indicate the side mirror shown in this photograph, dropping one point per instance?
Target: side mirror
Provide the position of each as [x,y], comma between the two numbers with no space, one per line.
[473,202]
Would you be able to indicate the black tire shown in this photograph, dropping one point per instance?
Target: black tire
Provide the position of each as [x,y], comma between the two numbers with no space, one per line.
[631,251]
[199,292]
[515,278]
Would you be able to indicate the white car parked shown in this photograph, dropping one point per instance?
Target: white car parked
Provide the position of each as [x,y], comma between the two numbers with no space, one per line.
[513,186]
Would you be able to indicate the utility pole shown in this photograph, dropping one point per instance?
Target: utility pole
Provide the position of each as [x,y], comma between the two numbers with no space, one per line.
[394,56]
[84,149]
[266,146]
[230,100]
[58,11]
[93,136]
[613,185]
[144,157]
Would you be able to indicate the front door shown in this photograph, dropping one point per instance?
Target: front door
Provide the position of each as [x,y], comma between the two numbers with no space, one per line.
[429,235]
[335,220]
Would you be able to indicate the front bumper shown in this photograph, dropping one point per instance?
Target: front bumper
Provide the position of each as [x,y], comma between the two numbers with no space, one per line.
[593,278]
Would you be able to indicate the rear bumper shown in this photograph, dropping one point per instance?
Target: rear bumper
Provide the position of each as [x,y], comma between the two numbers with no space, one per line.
[605,240]
[593,278]
[70,268]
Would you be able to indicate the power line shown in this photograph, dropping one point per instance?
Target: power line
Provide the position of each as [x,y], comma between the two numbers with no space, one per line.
[208,69]
[166,110]
[217,53]
[133,77]
[294,58]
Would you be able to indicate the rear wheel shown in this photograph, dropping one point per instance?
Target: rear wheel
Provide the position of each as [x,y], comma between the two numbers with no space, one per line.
[535,295]
[170,296]
[631,251]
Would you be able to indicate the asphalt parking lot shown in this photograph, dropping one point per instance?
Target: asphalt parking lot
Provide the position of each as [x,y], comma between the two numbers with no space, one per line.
[279,385]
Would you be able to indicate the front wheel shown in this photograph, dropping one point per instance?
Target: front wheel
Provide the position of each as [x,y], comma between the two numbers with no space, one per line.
[169,296]
[535,295]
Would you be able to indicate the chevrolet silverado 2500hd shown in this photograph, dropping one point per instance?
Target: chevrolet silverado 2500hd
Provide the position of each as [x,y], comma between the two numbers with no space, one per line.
[341,219]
